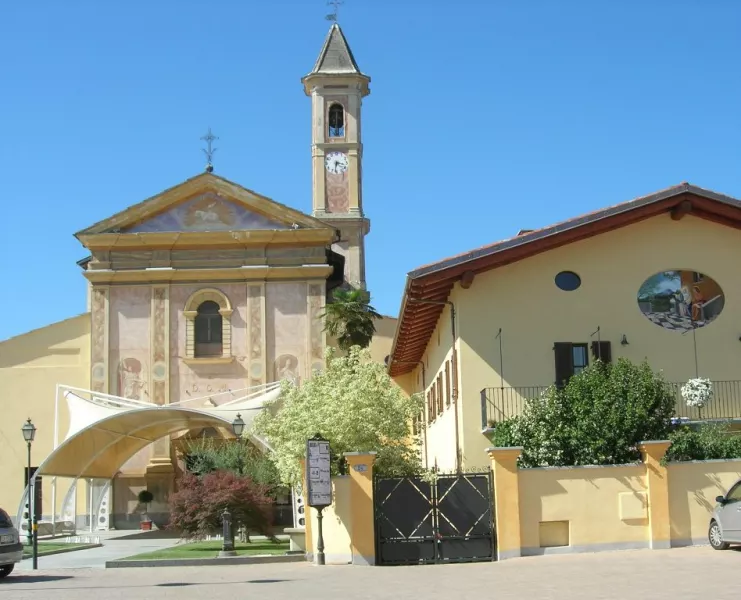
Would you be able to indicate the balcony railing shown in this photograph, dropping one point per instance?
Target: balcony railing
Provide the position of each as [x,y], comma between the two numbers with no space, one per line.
[500,403]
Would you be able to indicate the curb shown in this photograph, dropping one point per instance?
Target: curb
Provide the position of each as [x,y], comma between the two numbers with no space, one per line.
[65,551]
[202,562]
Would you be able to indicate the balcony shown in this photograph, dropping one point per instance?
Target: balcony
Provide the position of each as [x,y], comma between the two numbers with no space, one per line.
[500,403]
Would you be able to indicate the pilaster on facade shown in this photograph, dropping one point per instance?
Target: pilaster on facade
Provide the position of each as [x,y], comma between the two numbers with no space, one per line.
[100,338]
[316,338]
[160,360]
[257,334]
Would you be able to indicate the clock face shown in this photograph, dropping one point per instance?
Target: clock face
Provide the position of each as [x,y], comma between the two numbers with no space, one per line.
[336,162]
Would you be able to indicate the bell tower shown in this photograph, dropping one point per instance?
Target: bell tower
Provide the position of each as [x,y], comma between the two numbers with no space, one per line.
[337,88]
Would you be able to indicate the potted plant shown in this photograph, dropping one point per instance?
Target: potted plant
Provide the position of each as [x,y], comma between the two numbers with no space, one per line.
[697,393]
[145,497]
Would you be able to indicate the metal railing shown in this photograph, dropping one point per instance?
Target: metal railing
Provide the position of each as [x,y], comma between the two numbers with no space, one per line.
[500,403]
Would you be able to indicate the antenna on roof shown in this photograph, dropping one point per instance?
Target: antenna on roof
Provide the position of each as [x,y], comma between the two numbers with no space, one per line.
[336,4]
[209,138]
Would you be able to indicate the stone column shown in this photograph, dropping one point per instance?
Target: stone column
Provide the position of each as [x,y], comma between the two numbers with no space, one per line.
[362,528]
[657,482]
[506,500]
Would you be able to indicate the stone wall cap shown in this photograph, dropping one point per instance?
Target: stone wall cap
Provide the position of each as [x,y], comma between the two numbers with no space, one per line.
[491,449]
[654,442]
[371,453]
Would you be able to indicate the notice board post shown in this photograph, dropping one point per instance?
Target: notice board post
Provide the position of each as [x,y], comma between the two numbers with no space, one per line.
[319,484]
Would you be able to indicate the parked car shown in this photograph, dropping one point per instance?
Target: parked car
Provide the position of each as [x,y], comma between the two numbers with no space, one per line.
[11,549]
[725,524]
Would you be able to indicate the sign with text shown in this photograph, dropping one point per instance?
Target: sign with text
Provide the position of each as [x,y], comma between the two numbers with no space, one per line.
[318,479]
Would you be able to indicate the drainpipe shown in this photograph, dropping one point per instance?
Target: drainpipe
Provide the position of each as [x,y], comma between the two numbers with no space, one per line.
[454,374]
[424,411]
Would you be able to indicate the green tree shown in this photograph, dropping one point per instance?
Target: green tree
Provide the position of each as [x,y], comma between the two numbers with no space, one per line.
[349,318]
[355,405]
[598,418]
[206,455]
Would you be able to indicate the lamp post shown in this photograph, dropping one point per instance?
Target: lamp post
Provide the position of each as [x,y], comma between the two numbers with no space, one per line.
[238,426]
[29,433]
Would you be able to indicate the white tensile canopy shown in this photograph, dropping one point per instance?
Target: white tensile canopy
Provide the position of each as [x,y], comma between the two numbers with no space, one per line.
[105,431]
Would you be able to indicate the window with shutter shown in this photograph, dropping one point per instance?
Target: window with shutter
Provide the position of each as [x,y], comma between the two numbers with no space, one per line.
[564,362]
[447,383]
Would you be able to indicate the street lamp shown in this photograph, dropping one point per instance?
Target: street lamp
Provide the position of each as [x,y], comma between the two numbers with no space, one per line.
[238,426]
[29,433]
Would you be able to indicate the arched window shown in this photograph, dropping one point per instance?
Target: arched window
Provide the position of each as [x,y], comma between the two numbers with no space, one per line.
[336,121]
[208,330]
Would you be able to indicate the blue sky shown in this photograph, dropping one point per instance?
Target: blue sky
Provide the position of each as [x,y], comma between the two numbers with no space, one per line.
[485,117]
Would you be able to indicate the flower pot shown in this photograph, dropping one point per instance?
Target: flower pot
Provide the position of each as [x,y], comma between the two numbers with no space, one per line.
[146,525]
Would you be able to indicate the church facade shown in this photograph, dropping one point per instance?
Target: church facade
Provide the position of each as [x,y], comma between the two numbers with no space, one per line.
[204,290]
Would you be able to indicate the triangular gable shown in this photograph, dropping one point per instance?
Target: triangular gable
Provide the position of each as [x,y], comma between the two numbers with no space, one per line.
[206,202]
[206,212]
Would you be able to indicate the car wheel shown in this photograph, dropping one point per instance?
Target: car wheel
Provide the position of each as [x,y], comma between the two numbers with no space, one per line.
[6,570]
[716,537]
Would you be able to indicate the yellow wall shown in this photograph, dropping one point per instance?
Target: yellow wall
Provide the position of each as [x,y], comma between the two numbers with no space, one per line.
[31,366]
[693,487]
[533,313]
[582,509]
[337,520]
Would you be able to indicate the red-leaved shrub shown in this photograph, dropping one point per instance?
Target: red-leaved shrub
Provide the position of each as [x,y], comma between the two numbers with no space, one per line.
[197,506]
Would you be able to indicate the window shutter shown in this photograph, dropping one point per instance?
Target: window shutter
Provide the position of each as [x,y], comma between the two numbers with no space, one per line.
[564,362]
[602,351]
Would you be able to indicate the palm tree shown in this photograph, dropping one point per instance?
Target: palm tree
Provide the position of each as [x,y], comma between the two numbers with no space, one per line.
[349,318]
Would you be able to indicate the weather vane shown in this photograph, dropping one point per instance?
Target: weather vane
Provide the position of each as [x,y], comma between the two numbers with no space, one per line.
[336,4]
[209,138]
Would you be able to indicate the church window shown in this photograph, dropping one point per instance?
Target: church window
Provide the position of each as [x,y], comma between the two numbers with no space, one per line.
[208,330]
[336,121]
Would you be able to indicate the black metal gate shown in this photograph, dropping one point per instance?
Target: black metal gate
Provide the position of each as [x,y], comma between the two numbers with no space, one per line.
[446,522]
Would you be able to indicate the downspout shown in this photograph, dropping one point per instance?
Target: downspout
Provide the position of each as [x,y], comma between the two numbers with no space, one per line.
[454,375]
[424,410]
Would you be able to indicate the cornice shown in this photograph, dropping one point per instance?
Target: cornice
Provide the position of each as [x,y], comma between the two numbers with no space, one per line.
[215,239]
[248,273]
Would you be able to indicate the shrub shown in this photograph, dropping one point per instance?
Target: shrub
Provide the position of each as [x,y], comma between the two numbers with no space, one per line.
[598,418]
[710,441]
[196,507]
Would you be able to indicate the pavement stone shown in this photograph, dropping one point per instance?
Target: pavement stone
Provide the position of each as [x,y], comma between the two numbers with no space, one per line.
[686,573]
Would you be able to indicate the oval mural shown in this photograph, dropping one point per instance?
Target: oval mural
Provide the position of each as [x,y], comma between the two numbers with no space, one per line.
[680,300]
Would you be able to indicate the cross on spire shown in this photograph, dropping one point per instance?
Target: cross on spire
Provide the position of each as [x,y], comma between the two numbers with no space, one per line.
[336,5]
[209,138]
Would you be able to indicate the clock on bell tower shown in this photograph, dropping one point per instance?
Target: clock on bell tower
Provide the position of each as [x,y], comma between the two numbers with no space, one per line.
[337,88]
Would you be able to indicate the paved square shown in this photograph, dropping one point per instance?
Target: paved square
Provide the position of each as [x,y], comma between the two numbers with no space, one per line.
[668,574]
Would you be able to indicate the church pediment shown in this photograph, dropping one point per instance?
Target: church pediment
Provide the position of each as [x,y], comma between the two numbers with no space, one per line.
[204,204]
[208,211]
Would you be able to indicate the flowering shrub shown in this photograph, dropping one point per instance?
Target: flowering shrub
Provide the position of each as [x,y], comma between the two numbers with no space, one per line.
[598,418]
[697,392]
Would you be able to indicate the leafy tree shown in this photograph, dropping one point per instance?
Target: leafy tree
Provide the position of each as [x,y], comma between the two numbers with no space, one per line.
[206,455]
[709,441]
[355,405]
[196,507]
[599,417]
[349,318]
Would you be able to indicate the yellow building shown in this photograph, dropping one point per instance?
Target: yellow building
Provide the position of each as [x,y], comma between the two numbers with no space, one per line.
[200,291]
[653,278]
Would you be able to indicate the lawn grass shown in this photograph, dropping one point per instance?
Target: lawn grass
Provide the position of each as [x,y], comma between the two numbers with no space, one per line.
[55,547]
[212,549]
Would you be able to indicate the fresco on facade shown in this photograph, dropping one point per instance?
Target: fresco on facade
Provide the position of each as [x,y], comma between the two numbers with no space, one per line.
[207,212]
[286,367]
[680,300]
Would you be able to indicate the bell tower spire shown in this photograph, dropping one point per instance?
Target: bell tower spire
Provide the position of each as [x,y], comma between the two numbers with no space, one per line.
[337,87]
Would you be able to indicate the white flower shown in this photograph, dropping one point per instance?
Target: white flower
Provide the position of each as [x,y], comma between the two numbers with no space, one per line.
[697,392]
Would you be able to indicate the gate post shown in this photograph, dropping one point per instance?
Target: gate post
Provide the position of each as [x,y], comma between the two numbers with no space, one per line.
[362,526]
[506,500]
[657,482]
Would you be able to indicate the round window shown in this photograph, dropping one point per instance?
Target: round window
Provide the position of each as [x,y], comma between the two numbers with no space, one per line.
[568,281]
